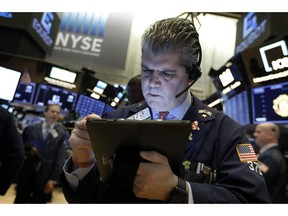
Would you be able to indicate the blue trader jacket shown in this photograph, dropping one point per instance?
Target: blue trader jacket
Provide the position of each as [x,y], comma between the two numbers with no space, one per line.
[216,173]
[51,151]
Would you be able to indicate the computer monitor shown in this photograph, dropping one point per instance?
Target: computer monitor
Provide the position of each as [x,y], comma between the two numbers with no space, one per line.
[108,108]
[230,79]
[270,103]
[237,108]
[25,93]
[8,83]
[47,94]
[87,105]
[62,74]
[266,64]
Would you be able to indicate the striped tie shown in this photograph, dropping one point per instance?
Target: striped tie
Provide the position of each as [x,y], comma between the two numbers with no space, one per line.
[162,115]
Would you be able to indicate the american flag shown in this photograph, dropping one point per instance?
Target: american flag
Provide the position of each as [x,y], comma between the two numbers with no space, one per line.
[246,152]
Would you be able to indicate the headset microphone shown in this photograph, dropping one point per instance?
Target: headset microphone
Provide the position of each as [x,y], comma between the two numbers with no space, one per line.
[194,80]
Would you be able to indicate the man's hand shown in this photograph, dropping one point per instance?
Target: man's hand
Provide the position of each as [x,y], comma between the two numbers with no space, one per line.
[49,187]
[80,141]
[154,180]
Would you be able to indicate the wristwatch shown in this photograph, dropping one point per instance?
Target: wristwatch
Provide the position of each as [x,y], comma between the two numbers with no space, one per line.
[179,194]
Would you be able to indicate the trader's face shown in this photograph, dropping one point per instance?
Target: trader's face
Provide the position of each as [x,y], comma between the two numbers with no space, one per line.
[162,78]
[261,135]
[52,115]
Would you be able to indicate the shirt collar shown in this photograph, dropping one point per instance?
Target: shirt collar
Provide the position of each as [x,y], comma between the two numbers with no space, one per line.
[179,111]
[45,124]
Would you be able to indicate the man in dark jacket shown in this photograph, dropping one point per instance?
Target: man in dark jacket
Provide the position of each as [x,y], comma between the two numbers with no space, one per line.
[11,151]
[219,165]
[271,160]
[45,154]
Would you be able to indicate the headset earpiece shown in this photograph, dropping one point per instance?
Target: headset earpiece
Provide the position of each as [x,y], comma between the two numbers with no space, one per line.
[195,73]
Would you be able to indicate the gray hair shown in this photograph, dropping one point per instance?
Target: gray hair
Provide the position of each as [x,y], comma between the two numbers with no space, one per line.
[174,35]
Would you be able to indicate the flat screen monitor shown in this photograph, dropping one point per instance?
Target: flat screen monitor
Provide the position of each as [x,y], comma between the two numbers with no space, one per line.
[47,94]
[25,93]
[237,108]
[87,105]
[270,103]
[9,80]
[230,79]
[108,108]
[267,64]
[62,74]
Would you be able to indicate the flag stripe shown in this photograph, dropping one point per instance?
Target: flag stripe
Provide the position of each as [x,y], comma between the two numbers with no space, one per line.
[246,152]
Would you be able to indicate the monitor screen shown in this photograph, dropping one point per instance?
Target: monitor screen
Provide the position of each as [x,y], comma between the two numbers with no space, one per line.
[25,93]
[267,64]
[108,108]
[230,79]
[47,94]
[8,83]
[62,74]
[270,103]
[214,101]
[237,108]
[87,105]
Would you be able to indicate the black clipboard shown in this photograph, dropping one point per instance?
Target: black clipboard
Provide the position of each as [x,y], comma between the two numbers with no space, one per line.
[168,137]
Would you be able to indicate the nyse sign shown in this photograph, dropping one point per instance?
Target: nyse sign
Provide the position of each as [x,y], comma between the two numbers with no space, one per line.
[78,44]
[93,39]
[81,33]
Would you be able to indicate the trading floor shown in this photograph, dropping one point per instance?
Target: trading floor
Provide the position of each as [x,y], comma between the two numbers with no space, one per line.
[57,198]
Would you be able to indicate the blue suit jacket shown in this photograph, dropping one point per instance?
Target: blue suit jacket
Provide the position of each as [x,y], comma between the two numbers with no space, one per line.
[214,145]
[51,151]
[275,177]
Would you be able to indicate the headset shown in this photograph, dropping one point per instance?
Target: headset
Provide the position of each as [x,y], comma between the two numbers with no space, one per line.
[195,72]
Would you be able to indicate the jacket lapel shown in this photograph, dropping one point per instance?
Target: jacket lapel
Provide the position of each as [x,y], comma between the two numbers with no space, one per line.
[199,115]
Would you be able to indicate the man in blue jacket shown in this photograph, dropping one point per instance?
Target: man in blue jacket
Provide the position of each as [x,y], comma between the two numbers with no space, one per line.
[45,154]
[219,165]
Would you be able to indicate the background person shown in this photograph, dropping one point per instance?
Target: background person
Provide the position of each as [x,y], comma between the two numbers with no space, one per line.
[11,151]
[212,170]
[45,154]
[134,91]
[271,161]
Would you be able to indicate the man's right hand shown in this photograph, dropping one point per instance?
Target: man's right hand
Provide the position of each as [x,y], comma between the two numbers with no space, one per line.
[80,141]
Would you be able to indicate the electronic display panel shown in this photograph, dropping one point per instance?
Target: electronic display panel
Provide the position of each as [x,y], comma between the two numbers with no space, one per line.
[270,103]
[25,93]
[237,108]
[252,29]
[230,79]
[214,101]
[62,74]
[108,108]
[87,105]
[8,83]
[41,26]
[47,94]
[267,63]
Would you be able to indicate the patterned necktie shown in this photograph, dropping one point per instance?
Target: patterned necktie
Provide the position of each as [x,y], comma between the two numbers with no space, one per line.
[162,115]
